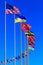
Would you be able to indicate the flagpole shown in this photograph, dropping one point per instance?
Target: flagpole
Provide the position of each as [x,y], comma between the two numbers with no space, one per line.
[28,52]
[25,50]
[14,41]
[20,45]
[5,38]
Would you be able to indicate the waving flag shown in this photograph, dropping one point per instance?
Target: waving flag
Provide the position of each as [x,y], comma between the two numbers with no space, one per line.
[31,48]
[31,43]
[26,27]
[29,33]
[20,18]
[12,9]
[31,38]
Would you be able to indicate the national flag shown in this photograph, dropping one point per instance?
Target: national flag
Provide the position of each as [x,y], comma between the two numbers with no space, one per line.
[31,43]
[29,33]
[12,9]
[31,38]
[31,48]
[26,27]
[20,18]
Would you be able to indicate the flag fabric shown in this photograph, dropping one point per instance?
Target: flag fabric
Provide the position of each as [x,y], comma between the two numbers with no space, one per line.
[29,33]
[20,18]
[31,48]
[12,9]
[31,43]
[31,38]
[8,6]
[26,27]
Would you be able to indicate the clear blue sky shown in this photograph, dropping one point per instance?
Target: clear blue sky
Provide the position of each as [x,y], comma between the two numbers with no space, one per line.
[33,11]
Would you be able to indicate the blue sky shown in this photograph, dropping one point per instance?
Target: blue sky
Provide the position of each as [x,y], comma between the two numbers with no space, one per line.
[33,11]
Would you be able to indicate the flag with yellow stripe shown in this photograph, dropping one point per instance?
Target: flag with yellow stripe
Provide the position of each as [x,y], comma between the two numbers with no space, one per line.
[20,18]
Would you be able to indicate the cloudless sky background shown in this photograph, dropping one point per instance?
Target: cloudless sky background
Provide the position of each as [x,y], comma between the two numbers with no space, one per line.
[33,11]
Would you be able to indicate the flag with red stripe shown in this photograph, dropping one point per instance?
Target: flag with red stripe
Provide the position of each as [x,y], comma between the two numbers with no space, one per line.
[12,9]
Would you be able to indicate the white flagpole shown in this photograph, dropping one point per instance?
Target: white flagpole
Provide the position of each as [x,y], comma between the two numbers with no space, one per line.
[25,50]
[14,41]
[5,38]
[26,59]
[27,54]
[20,45]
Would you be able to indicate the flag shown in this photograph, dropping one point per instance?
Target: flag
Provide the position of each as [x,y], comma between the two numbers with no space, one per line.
[31,43]
[31,38]
[26,27]
[12,9]
[29,33]
[20,18]
[31,48]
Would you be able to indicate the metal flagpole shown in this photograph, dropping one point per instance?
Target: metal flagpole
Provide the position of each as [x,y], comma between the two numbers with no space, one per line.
[26,59]
[25,50]
[27,54]
[20,45]
[14,41]
[5,38]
